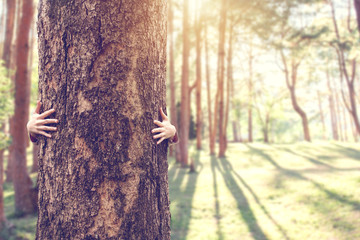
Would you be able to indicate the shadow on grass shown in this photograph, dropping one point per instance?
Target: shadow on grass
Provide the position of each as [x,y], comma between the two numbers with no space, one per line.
[295,174]
[347,151]
[242,202]
[263,208]
[216,199]
[181,219]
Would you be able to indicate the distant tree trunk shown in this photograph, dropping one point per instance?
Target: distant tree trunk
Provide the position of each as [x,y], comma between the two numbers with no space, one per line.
[339,121]
[208,88]
[9,32]
[229,80]
[220,75]
[357,9]
[6,55]
[345,125]
[321,115]
[24,193]
[266,128]
[102,66]
[333,117]
[349,78]
[173,114]
[199,119]
[185,101]
[291,85]
[250,97]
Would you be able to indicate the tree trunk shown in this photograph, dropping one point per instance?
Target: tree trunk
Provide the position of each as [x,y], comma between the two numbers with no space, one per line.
[10,20]
[208,88]
[221,76]
[229,81]
[321,115]
[102,67]
[24,201]
[6,55]
[250,101]
[266,128]
[199,123]
[291,85]
[173,114]
[185,102]
[357,9]
[333,117]
[339,120]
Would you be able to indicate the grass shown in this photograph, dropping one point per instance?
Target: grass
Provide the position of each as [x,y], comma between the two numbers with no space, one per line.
[298,191]
[288,191]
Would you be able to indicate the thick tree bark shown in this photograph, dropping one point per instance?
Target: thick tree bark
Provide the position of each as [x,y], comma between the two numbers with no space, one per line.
[185,101]
[199,118]
[221,77]
[102,67]
[24,201]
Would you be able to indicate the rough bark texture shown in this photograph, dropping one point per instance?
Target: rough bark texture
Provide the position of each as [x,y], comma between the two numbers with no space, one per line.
[24,201]
[185,98]
[102,66]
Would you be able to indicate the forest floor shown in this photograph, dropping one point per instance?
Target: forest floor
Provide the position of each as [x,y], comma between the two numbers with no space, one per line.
[297,191]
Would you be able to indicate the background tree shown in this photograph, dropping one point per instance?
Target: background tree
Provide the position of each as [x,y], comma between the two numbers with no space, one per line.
[102,67]
[25,197]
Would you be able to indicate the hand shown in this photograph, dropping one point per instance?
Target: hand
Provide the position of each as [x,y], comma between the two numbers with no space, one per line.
[37,122]
[166,129]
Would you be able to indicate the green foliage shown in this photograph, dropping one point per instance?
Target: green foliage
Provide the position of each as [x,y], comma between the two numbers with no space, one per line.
[6,103]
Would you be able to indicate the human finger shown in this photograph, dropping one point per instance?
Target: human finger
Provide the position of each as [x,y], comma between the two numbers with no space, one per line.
[158,135]
[46,128]
[163,116]
[47,113]
[38,106]
[44,133]
[47,121]
[162,139]
[160,124]
[156,130]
